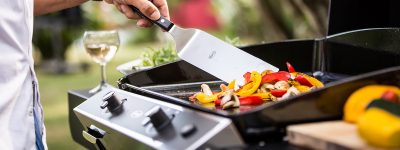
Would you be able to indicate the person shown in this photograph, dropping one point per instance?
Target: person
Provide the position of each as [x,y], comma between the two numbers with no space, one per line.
[21,115]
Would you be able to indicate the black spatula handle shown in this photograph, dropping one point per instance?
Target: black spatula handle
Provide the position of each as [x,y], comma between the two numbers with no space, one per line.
[162,22]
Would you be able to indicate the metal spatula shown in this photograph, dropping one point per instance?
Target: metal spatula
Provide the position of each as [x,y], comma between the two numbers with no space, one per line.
[209,53]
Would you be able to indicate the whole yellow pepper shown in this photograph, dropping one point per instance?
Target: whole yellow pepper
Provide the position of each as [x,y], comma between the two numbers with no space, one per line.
[380,128]
[359,100]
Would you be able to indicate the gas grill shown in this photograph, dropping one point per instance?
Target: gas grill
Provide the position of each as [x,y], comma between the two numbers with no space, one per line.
[150,109]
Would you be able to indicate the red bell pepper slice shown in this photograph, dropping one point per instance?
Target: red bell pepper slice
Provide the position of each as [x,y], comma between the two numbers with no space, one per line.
[278,93]
[290,67]
[302,80]
[391,96]
[250,100]
[217,102]
[247,77]
[275,77]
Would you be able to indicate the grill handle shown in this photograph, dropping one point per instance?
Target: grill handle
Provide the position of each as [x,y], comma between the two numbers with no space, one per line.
[93,135]
[162,22]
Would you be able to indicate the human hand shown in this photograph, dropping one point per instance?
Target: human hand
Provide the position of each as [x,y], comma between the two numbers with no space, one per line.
[150,8]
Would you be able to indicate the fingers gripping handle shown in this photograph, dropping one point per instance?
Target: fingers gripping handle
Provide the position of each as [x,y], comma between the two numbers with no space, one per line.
[162,22]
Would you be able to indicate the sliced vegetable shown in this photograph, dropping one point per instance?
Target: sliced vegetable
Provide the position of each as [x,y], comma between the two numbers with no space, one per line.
[246,77]
[231,84]
[217,102]
[390,96]
[208,105]
[315,82]
[219,94]
[266,72]
[302,88]
[290,67]
[255,81]
[281,85]
[206,89]
[274,77]
[294,83]
[278,93]
[193,97]
[258,87]
[250,100]
[264,96]
[303,81]
[223,87]
[245,87]
[203,98]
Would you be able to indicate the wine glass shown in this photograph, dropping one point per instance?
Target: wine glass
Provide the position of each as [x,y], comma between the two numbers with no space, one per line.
[101,47]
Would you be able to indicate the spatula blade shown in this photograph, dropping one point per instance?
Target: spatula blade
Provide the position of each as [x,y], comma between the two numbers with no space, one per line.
[216,57]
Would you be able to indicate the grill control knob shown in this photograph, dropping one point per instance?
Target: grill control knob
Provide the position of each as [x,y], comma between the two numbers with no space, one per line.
[188,130]
[158,118]
[112,102]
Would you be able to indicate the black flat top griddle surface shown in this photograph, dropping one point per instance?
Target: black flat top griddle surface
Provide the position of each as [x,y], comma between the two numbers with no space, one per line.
[185,90]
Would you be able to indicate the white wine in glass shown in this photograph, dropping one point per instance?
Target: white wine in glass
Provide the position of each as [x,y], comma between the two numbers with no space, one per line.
[101,47]
[101,53]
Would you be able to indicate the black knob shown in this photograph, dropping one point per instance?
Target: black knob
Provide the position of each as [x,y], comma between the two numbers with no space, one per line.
[158,117]
[112,102]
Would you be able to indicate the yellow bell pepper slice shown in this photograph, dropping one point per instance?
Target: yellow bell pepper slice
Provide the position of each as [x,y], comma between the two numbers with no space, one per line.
[302,88]
[255,81]
[264,96]
[266,72]
[247,86]
[208,105]
[203,98]
[313,81]
[231,85]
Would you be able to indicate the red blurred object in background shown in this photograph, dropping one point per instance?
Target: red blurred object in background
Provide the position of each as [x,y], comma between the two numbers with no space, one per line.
[195,14]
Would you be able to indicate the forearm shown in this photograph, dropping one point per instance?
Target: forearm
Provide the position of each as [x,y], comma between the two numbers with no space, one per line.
[47,6]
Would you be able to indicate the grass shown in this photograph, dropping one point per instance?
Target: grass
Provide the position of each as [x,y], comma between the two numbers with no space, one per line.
[54,88]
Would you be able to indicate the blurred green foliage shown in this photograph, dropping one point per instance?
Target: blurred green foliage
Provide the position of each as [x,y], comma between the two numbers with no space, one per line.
[239,18]
[233,41]
[155,57]
[253,21]
[144,35]
[294,19]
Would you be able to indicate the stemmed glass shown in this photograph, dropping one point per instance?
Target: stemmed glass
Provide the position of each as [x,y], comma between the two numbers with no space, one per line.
[101,46]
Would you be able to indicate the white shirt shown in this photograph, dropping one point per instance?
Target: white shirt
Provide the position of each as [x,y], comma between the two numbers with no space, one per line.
[17,100]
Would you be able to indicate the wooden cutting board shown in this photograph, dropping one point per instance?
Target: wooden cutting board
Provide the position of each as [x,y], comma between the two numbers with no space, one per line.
[329,135]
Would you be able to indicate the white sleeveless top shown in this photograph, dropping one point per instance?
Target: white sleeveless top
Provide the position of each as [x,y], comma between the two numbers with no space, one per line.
[17,77]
